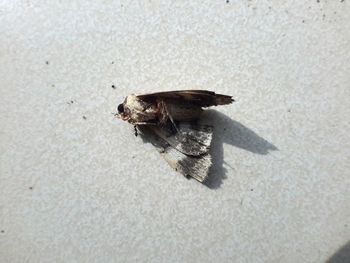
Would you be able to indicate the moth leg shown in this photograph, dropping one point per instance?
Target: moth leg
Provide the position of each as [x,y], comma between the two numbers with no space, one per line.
[136,131]
[144,123]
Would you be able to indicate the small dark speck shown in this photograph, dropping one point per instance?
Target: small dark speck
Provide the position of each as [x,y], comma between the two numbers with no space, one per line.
[72,101]
[133,157]
[113,87]
[317,1]
[112,62]
[303,21]
[324,16]
[345,225]
[31,188]
[227,1]
[289,110]
[84,117]
[252,189]
[2,231]
[341,1]
[53,85]
[47,62]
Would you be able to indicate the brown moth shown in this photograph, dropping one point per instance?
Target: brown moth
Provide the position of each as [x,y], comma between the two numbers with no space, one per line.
[168,120]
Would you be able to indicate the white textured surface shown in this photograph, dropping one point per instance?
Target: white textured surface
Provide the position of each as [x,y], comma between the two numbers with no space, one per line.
[100,195]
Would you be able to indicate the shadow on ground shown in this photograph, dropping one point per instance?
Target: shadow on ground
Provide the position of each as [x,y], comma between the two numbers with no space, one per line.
[341,256]
[234,133]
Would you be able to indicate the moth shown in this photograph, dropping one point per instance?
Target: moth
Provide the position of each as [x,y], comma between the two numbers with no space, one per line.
[170,121]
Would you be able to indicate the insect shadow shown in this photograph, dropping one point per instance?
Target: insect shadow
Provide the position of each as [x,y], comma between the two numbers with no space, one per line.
[342,255]
[233,133]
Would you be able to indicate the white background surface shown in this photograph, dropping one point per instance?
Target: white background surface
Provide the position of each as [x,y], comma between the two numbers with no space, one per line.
[76,190]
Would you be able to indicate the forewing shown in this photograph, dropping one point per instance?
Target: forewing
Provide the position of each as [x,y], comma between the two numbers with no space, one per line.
[188,165]
[202,98]
[189,138]
[194,166]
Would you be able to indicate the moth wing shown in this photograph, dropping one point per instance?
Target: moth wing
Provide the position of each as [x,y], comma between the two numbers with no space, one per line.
[194,166]
[190,138]
[188,165]
[201,98]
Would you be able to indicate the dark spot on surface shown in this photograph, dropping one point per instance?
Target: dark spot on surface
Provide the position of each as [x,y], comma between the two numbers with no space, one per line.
[303,21]
[345,225]
[112,62]
[53,85]
[341,1]
[47,62]
[252,189]
[227,1]
[317,1]
[324,16]
[31,188]
[289,110]
[2,231]
[113,86]
[84,118]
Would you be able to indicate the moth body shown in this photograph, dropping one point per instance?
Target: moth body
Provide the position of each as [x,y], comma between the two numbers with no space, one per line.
[139,112]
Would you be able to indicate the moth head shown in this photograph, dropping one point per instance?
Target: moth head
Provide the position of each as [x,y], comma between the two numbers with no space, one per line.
[130,109]
[123,111]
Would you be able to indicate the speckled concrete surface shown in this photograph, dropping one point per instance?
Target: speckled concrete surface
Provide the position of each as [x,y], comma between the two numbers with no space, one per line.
[77,186]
